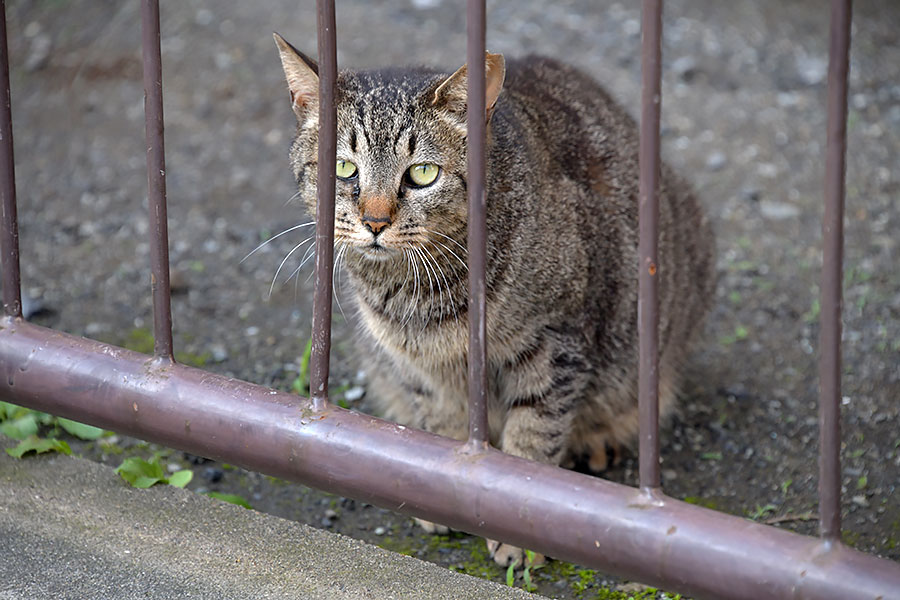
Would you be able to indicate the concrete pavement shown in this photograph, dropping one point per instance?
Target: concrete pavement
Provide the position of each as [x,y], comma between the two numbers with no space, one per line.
[73,529]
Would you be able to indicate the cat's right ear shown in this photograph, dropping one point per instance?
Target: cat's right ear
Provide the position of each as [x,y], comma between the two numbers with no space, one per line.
[451,94]
[302,74]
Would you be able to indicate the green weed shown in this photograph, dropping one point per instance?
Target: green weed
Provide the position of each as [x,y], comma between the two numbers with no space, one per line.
[141,473]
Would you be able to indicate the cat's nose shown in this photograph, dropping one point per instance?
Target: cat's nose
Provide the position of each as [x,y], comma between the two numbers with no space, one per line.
[377,212]
[376,224]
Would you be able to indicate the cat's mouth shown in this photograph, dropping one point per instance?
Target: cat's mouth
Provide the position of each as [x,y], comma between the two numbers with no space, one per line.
[375,250]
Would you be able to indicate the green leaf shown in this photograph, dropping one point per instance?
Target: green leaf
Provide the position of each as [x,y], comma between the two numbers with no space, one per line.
[711,456]
[181,478]
[142,482]
[140,473]
[526,576]
[7,410]
[20,428]
[43,418]
[862,482]
[38,446]
[511,574]
[80,430]
[230,498]
[301,384]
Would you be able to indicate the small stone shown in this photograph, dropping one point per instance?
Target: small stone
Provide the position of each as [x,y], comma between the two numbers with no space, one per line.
[716,160]
[32,306]
[354,394]
[219,353]
[860,501]
[750,194]
[685,67]
[669,474]
[252,330]
[39,54]
[326,522]
[778,210]
[32,29]
[93,328]
[380,531]
[331,514]
[812,69]
[173,467]
[213,474]
[631,27]
[787,99]
[767,170]
[204,17]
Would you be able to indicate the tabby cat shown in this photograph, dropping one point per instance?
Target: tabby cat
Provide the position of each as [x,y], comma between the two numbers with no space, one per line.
[562,260]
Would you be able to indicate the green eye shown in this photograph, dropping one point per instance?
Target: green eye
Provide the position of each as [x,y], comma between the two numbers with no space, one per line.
[345,169]
[423,174]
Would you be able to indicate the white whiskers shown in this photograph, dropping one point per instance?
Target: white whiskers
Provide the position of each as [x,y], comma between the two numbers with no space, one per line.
[284,260]
[276,236]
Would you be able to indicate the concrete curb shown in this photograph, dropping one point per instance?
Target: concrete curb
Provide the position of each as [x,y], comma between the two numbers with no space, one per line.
[72,529]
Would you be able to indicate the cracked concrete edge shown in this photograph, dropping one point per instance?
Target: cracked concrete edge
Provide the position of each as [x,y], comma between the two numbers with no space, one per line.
[71,528]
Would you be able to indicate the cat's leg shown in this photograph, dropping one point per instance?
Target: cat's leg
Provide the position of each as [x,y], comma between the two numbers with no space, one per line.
[534,434]
[542,390]
[436,414]
[403,398]
[610,421]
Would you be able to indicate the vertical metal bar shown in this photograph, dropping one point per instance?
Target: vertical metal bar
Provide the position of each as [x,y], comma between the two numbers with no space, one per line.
[156,181]
[477,242]
[833,251]
[9,236]
[648,215]
[321,321]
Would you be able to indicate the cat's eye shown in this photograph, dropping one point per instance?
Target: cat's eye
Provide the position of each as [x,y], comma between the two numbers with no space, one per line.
[423,174]
[345,169]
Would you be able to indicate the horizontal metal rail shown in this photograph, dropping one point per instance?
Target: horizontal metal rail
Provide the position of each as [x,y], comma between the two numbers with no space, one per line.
[563,514]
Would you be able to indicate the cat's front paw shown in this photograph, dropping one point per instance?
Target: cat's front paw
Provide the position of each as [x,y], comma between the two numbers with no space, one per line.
[434,528]
[506,554]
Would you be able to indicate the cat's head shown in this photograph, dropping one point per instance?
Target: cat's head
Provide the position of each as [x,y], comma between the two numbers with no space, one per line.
[401,151]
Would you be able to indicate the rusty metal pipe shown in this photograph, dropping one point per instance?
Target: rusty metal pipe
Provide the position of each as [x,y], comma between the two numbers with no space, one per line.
[832,265]
[648,263]
[564,514]
[9,228]
[321,321]
[156,181]
[477,242]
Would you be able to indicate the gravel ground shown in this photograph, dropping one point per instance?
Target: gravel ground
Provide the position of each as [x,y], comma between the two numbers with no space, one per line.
[743,118]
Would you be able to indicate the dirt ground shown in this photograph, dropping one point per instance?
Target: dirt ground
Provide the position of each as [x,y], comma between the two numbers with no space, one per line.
[743,119]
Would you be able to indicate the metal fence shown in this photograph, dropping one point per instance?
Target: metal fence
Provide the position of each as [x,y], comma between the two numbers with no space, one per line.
[638,533]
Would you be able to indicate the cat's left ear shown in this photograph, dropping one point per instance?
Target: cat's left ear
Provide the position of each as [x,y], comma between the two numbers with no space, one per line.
[451,94]
[302,74]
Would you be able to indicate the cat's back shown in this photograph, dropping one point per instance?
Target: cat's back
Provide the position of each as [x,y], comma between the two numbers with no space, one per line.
[570,112]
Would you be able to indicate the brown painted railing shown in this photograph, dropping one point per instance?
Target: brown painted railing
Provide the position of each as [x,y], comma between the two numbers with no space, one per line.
[637,533]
